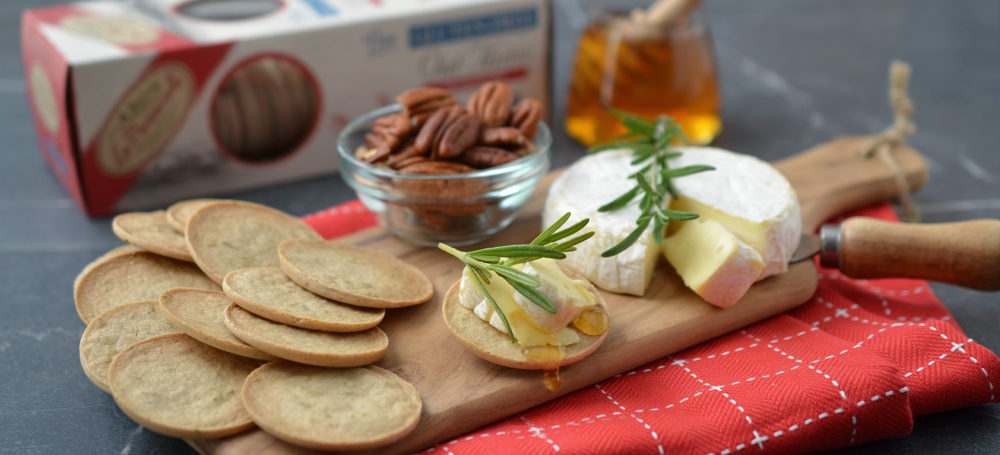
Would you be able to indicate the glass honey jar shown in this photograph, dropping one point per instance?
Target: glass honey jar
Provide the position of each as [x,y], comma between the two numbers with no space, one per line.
[647,69]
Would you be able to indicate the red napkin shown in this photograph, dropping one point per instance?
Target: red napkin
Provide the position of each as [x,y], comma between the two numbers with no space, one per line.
[853,364]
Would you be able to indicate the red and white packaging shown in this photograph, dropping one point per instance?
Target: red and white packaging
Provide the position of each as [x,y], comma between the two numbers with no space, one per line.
[140,104]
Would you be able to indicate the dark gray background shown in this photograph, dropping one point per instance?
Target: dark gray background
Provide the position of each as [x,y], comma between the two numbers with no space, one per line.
[795,73]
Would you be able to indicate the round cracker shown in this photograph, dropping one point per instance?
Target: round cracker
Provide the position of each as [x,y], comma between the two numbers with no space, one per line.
[228,235]
[311,347]
[151,231]
[114,252]
[331,408]
[133,277]
[179,213]
[174,385]
[112,331]
[489,344]
[354,275]
[198,313]
[269,293]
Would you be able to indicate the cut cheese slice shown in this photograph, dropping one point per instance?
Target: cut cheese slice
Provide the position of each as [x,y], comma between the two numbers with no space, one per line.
[713,262]
[591,182]
[745,195]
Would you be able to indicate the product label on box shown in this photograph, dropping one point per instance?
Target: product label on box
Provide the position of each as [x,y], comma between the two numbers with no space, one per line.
[473,27]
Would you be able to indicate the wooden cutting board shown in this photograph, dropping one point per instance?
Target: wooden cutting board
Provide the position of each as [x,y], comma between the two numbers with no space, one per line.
[460,392]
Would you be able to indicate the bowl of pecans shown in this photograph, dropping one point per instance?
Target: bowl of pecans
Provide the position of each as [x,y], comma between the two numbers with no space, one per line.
[435,170]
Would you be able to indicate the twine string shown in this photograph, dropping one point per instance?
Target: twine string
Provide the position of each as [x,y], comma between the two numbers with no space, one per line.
[895,135]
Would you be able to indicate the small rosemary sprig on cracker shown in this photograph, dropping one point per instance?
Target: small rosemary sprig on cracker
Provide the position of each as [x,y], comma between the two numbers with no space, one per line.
[485,262]
[650,142]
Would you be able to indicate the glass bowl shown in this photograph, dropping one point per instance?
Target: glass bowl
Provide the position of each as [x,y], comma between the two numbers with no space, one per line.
[458,209]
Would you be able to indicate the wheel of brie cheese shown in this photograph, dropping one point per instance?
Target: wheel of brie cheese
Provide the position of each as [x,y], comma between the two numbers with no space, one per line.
[748,227]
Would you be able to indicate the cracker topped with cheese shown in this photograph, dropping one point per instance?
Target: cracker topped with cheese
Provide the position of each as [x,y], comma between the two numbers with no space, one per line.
[543,340]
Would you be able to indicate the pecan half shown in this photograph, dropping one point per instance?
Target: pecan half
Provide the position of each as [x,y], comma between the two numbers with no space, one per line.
[460,135]
[492,102]
[404,162]
[433,167]
[396,124]
[379,146]
[484,157]
[364,153]
[435,126]
[503,135]
[421,101]
[525,116]
[409,151]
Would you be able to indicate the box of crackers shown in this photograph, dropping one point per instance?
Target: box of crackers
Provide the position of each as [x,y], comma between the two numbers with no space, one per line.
[138,104]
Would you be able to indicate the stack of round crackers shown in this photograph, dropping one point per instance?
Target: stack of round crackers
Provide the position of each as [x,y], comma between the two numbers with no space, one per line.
[182,320]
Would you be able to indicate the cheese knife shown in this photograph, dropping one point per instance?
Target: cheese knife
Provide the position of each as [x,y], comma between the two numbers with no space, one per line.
[965,253]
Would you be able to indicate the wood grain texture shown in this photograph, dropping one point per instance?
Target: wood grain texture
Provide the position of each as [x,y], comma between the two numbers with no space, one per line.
[461,392]
[965,253]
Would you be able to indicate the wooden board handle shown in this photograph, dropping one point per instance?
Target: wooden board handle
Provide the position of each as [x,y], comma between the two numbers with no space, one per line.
[833,178]
[965,253]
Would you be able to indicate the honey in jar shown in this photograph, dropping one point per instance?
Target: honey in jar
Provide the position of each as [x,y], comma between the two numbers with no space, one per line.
[668,71]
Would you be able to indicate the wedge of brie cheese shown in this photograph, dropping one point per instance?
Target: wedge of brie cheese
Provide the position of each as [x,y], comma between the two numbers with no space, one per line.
[591,182]
[748,197]
[532,325]
[712,261]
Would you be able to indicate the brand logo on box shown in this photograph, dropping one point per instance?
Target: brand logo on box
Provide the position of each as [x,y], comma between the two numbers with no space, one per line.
[145,119]
[472,27]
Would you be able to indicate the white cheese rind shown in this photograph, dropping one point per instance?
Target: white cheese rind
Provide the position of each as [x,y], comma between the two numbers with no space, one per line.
[591,182]
[747,196]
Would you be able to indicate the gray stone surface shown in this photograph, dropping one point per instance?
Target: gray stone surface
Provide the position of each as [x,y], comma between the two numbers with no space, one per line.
[794,74]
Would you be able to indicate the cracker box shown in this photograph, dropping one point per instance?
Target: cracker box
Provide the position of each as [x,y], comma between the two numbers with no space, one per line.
[143,103]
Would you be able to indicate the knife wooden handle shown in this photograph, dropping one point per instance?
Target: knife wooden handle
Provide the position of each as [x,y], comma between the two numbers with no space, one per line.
[965,253]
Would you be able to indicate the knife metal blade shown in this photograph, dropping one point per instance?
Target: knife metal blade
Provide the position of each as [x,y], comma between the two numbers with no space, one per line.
[826,244]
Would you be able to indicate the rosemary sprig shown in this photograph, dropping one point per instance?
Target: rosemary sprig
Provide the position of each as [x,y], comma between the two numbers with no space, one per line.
[649,140]
[483,263]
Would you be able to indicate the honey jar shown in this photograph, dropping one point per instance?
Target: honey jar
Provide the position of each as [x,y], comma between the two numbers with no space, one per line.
[646,66]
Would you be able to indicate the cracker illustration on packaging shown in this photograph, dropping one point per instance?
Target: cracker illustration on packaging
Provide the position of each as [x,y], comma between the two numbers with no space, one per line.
[311,347]
[133,277]
[199,314]
[113,331]
[354,275]
[331,408]
[179,213]
[268,293]
[230,235]
[152,232]
[174,385]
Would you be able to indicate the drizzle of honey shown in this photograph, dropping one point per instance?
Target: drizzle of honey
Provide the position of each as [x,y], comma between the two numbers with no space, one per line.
[550,357]
[592,321]
[546,355]
[551,379]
